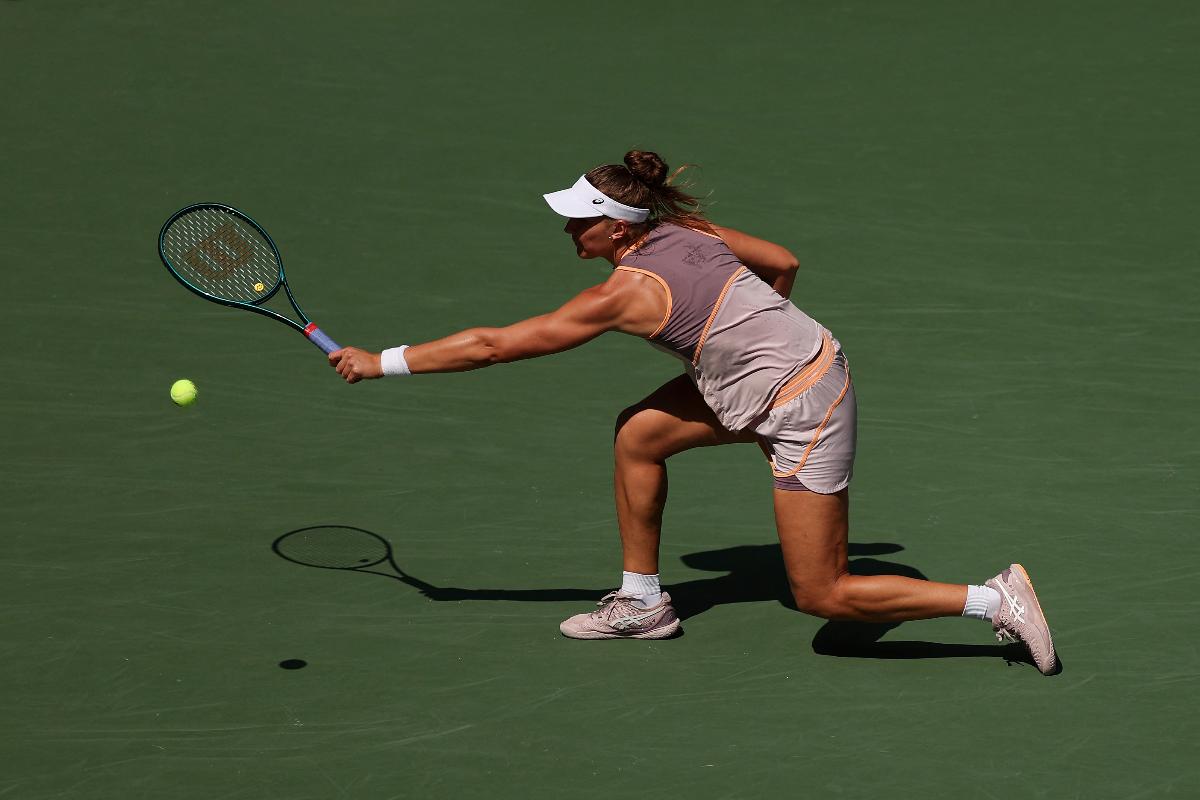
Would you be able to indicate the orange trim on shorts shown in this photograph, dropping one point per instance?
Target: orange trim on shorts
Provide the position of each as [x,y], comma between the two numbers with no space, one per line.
[817,435]
[666,289]
[808,376]
[713,315]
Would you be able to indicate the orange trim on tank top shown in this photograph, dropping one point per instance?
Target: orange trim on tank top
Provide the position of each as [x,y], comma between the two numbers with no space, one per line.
[817,435]
[666,289]
[808,376]
[713,315]
[640,241]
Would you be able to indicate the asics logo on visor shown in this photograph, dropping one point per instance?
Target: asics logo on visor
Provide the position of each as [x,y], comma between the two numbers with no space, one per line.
[597,201]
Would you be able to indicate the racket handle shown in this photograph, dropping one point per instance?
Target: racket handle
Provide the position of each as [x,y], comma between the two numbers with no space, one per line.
[320,338]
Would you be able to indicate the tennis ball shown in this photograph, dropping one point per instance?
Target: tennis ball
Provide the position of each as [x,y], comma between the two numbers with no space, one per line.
[258,287]
[183,392]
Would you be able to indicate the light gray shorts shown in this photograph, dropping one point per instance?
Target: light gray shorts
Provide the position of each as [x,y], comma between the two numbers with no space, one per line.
[810,439]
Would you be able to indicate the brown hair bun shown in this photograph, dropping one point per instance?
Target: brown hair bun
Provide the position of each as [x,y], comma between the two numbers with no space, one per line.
[647,167]
[642,182]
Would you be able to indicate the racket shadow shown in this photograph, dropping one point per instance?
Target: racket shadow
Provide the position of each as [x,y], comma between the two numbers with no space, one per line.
[351,549]
[752,574]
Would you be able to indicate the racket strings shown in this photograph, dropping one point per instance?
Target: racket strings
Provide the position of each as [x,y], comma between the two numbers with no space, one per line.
[222,256]
[333,548]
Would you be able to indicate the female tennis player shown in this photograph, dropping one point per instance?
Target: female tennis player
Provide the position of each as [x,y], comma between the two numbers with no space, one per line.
[756,369]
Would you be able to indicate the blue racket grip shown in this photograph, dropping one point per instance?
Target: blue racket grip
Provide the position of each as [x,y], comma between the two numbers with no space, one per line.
[320,338]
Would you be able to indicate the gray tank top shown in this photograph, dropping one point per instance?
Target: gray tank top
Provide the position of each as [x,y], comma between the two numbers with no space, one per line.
[739,340]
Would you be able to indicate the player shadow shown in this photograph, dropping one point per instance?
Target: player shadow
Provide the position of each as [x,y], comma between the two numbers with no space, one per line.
[752,574]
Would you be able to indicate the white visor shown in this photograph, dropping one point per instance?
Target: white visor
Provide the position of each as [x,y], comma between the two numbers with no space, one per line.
[584,200]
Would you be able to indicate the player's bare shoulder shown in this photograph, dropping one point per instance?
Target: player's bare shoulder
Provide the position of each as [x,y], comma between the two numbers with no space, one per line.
[643,298]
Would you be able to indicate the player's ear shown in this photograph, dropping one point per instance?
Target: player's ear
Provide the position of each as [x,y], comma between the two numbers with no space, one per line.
[619,230]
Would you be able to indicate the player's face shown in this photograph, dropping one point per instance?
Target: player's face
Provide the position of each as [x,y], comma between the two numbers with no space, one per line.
[592,236]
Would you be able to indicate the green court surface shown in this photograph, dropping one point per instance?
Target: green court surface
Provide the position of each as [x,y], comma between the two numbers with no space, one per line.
[995,206]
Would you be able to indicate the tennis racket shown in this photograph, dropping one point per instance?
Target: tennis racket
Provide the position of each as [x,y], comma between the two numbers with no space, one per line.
[221,254]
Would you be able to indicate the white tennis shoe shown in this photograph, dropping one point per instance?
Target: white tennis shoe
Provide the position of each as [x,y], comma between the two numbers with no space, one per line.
[1020,618]
[618,617]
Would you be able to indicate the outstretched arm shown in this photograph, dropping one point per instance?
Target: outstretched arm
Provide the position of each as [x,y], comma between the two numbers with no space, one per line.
[618,304]
[773,263]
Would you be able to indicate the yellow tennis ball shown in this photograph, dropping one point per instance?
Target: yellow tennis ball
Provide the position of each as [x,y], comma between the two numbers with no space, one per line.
[258,287]
[183,392]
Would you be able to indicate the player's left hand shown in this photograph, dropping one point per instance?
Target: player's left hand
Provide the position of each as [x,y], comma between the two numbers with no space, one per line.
[354,364]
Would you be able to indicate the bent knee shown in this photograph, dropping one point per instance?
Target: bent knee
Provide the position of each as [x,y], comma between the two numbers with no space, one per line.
[823,601]
[657,432]
[642,431]
[628,425]
[625,418]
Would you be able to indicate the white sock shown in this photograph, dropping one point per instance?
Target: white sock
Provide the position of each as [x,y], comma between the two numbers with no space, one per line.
[982,602]
[645,589]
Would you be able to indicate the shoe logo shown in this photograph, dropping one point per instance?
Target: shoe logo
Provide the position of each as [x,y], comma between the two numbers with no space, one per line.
[597,202]
[1018,609]
[631,620]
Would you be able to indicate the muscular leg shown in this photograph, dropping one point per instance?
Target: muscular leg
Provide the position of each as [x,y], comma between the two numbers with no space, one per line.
[812,532]
[672,419]
[813,527]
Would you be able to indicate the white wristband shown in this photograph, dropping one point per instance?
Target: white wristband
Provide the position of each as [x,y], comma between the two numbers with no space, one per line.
[392,361]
